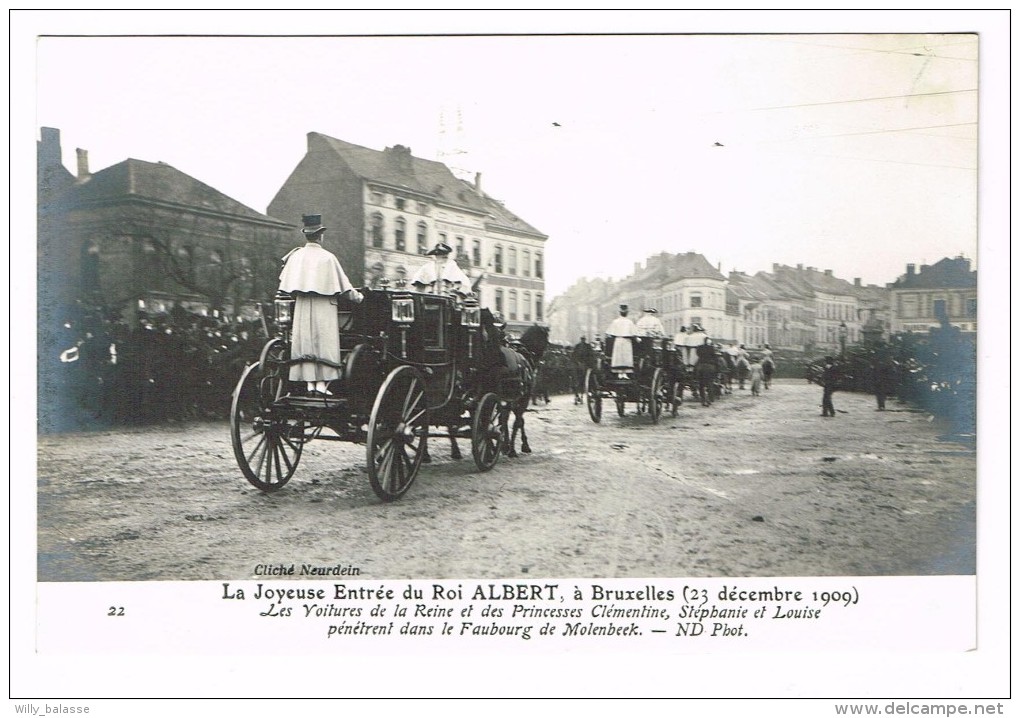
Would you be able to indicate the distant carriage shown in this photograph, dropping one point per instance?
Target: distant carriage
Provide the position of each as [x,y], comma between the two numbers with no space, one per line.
[410,362]
[651,383]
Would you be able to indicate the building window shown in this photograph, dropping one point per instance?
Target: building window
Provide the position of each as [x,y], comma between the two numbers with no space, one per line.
[400,202]
[909,304]
[526,263]
[695,300]
[442,238]
[526,307]
[511,262]
[538,307]
[971,306]
[461,252]
[499,301]
[377,198]
[399,233]
[476,252]
[423,238]
[377,230]
[497,260]
[513,304]
[423,208]
[538,264]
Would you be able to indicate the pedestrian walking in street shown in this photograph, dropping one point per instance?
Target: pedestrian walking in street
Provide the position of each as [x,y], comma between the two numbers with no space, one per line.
[883,377]
[830,379]
[314,277]
[757,376]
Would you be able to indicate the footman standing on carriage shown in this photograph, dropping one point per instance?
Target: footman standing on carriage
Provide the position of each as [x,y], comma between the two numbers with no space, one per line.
[314,277]
[622,328]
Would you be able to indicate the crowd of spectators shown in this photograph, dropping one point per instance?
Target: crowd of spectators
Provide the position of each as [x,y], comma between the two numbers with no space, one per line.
[97,370]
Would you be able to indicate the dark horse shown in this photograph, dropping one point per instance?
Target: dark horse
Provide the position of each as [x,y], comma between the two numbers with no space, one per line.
[509,371]
[520,362]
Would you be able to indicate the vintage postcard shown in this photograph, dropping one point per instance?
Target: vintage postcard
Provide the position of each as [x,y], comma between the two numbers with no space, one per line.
[645,341]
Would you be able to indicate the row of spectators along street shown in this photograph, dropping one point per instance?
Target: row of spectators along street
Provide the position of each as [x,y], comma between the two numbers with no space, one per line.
[95,371]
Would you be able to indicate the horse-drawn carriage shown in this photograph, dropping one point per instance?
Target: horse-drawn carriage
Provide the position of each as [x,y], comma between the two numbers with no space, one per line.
[409,362]
[651,383]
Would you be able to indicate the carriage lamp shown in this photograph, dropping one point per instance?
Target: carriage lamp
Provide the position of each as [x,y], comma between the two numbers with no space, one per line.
[284,304]
[471,317]
[402,314]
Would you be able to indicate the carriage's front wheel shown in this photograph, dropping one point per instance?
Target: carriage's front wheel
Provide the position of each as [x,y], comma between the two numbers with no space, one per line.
[486,435]
[397,433]
[594,396]
[267,448]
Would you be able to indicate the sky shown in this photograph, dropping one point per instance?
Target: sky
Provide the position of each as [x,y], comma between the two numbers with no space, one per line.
[853,152]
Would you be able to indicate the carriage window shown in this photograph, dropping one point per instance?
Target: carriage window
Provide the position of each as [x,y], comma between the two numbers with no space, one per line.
[423,238]
[399,233]
[432,326]
[377,230]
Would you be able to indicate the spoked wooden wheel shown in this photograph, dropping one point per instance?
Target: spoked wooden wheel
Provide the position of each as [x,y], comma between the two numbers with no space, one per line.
[486,436]
[655,396]
[594,396]
[397,433]
[267,449]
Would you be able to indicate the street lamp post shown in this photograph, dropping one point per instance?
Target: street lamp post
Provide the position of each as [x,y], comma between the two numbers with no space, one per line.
[842,340]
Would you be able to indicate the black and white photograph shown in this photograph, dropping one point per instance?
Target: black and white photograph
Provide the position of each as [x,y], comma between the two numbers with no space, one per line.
[663,322]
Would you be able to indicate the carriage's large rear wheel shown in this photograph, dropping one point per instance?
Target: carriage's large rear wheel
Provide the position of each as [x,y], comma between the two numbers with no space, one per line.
[655,398]
[397,432]
[486,435]
[594,396]
[267,448]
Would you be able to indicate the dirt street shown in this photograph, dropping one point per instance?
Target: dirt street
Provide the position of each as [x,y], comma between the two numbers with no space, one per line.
[751,486]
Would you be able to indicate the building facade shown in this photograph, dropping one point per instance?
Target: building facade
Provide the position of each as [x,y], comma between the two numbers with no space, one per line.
[386,209]
[144,236]
[945,291]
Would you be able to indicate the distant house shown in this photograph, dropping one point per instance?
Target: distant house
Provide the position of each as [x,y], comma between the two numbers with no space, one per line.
[145,236]
[386,209]
[944,291]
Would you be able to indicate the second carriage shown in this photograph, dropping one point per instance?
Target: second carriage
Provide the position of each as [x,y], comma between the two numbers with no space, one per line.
[651,383]
[413,366]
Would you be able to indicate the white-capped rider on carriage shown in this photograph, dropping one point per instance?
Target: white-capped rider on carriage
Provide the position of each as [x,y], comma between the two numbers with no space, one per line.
[649,325]
[453,279]
[314,277]
[695,338]
[622,331]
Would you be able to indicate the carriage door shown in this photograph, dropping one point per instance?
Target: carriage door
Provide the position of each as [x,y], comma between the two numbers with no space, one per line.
[436,342]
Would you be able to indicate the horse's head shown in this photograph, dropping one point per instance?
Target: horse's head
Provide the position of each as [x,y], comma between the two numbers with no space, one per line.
[535,339]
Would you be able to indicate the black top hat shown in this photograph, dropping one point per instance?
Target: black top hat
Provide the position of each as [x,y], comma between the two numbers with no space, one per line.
[650,310]
[313,224]
[624,307]
[441,250]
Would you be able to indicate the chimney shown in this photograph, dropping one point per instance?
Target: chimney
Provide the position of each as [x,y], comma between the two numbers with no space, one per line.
[49,147]
[857,281]
[83,163]
[828,272]
[478,182]
[800,267]
[910,270]
[924,267]
[775,267]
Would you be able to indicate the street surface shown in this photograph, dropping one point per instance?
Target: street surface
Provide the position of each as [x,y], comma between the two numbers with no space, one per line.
[751,486]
